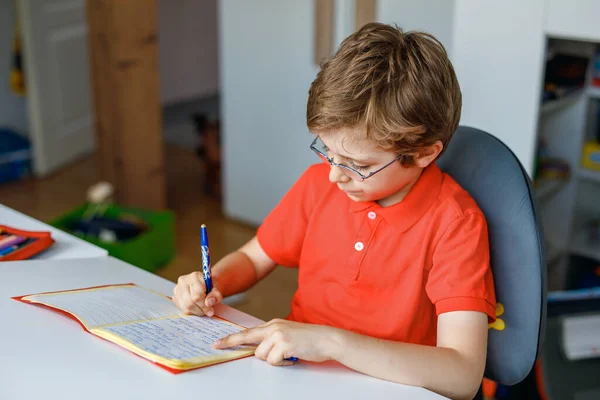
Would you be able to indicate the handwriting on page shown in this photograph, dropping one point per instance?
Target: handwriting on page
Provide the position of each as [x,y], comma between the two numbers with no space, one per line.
[111,305]
[178,338]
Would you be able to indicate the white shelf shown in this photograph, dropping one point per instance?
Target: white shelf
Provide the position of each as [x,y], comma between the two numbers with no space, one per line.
[594,92]
[582,246]
[588,174]
[552,253]
[547,187]
[553,105]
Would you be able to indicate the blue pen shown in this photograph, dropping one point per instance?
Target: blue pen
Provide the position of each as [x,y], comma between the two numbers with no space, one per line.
[206,267]
[205,258]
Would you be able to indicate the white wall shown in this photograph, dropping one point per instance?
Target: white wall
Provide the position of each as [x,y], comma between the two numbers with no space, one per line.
[266,53]
[498,51]
[13,109]
[500,83]
[266,70]
[343,20]
[433,16]
[187,45]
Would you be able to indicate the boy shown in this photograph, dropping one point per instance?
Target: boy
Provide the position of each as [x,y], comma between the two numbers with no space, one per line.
[393,256]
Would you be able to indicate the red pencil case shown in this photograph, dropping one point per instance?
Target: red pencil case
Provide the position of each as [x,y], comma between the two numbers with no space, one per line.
[36,243]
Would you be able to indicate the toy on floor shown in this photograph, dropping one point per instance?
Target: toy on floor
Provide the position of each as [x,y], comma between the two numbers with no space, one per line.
[94,222]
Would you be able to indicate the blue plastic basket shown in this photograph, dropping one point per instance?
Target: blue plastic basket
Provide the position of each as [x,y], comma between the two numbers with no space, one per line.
[15,156]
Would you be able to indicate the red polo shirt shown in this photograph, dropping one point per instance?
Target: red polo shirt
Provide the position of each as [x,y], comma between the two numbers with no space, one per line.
[383,272]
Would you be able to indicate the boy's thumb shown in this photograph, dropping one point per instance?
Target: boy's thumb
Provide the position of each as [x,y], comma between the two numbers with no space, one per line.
[213,298]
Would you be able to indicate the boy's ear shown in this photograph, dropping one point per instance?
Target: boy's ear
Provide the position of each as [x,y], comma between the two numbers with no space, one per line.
[427,155]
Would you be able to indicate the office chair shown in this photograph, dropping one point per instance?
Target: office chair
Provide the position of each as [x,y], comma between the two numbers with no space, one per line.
[487,169]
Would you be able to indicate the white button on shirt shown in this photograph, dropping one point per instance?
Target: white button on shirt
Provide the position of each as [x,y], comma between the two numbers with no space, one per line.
[358,246]
[371,215]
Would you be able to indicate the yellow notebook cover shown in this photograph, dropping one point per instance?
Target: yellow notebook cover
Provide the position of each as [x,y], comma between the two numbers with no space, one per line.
[146,323]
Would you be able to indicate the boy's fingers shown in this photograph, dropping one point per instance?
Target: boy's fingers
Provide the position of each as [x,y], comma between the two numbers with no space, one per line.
[277,356]
[187,305]
[263,349]
[285,363]
[213,298]
[198,297]
[175,300]
[249,336]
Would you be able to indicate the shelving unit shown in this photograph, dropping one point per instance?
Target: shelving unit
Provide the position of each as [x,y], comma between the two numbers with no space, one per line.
[553,253]
[547,187]
[581,245]
[553,105]
[594,92]
[568,205]
[588,174]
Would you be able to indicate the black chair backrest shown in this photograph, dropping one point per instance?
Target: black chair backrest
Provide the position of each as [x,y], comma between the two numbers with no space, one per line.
[487,169]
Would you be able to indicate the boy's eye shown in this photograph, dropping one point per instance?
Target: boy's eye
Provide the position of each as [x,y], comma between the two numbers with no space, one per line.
[358,167]
[350,164]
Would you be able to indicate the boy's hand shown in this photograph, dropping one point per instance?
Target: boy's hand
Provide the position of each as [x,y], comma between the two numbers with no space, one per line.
[190,295]
[280,339]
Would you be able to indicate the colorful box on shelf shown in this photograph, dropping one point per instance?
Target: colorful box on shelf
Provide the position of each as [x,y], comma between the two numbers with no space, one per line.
[590,157]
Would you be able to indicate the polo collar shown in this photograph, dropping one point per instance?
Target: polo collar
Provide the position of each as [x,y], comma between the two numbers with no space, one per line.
[405,214]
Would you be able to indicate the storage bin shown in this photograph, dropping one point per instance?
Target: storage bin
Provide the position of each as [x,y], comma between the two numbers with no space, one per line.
[151,250]
[15,156]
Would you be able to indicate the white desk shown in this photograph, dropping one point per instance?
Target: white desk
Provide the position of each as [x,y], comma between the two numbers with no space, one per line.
[47,355]
[65,246]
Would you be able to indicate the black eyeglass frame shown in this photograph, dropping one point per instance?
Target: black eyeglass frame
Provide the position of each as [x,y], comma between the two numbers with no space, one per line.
[345,167]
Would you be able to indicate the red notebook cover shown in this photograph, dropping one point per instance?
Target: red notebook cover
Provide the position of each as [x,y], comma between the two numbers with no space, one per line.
[70,315]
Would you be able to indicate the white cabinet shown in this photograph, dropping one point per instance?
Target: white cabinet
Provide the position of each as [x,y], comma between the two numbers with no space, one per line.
[576,19]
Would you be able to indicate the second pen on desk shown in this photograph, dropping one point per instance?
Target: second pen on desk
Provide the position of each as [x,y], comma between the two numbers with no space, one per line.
[205,258]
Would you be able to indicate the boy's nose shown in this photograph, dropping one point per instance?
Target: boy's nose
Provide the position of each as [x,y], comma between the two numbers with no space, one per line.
[337,175]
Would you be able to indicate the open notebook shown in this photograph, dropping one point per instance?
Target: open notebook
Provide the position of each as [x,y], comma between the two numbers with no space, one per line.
[146,323]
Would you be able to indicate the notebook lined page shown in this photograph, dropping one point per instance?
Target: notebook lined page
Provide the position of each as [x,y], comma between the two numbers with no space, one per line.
[110,305]
[182,338]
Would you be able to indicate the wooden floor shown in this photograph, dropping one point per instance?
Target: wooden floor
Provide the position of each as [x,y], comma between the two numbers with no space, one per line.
[50,197]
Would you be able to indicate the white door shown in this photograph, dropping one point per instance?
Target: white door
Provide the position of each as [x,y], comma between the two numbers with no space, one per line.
[57,81]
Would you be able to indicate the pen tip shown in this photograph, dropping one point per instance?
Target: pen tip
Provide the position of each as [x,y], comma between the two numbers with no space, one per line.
[202,226]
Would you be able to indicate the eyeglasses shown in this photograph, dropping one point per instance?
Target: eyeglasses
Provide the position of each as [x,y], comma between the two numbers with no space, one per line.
[319,147]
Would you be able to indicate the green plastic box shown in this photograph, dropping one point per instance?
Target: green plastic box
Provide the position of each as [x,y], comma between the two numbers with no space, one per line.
[150,251]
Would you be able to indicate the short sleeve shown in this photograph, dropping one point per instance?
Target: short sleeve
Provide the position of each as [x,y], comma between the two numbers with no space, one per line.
[282,232]
[461,277]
